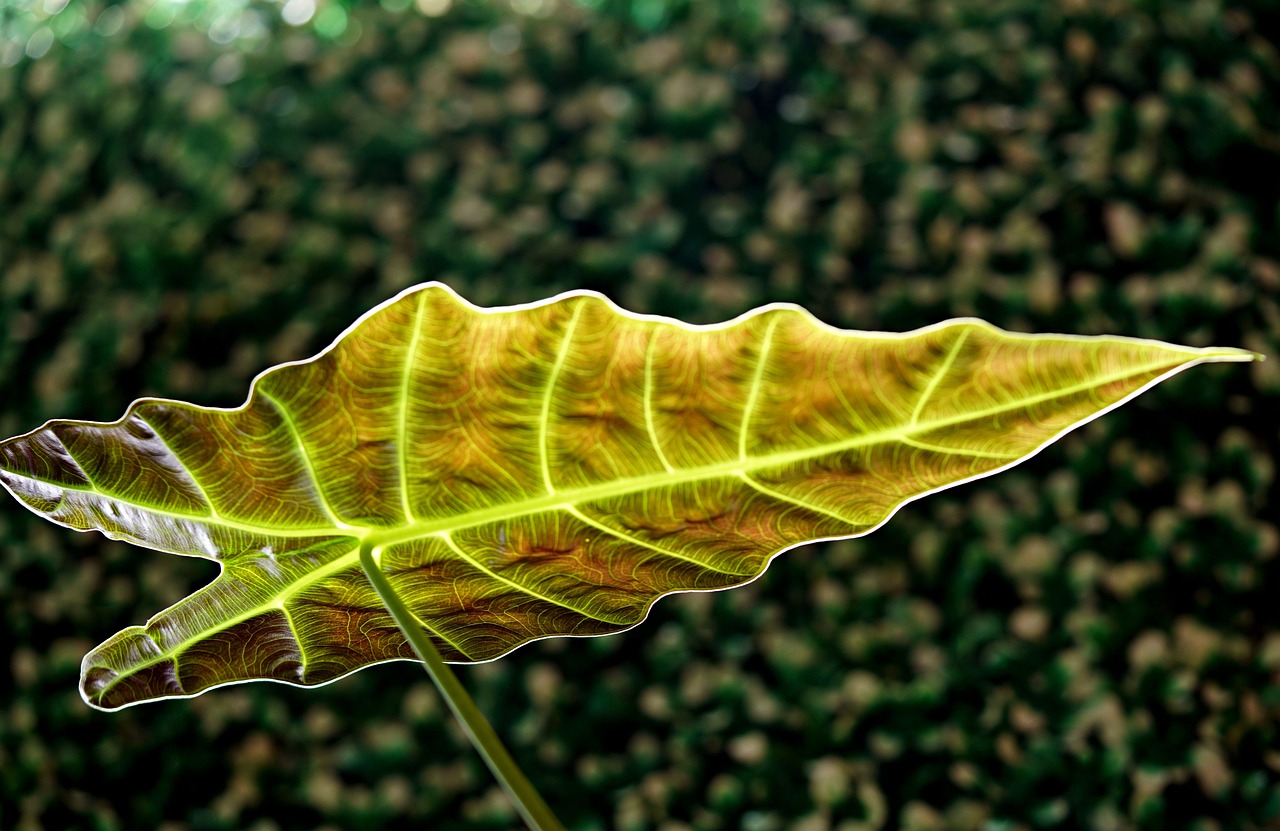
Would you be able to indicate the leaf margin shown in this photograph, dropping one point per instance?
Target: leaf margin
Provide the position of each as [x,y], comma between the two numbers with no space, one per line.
[1196,356]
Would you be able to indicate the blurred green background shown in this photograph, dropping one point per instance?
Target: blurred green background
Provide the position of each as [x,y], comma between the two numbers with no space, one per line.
[192,191]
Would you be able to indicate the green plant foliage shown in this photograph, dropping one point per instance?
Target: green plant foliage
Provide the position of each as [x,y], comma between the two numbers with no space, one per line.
[535,471]
[1089,639]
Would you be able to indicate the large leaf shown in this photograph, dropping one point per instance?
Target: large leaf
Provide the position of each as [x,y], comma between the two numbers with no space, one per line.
[534,471]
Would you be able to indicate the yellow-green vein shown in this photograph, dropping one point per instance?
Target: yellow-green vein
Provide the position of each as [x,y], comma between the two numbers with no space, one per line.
[939,375]
[402,432]
[757,379]
[616,534]
[544,424]
[648,401]
[305,456]
[513,584]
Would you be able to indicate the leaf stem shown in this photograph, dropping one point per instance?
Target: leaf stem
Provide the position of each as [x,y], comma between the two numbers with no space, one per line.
[526,798]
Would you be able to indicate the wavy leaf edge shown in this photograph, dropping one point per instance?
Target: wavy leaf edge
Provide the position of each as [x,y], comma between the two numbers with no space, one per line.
[1196,356]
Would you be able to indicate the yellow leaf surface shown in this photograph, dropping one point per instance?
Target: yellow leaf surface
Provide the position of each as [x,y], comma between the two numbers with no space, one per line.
[535,471]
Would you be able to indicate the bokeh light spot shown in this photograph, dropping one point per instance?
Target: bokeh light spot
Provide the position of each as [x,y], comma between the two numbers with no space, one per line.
[331,22]
[433,8]
[227,68]
[649,14]
[159,16]
[225,28]
[110,22]
[535,8]
[505,39]
[794,108]
[39,42]
[10,53]
[69,23]
[298,12]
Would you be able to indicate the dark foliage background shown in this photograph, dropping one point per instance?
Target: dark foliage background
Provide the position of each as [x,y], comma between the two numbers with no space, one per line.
[190,192]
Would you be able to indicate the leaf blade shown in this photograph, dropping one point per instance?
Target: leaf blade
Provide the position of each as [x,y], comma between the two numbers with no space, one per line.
[538,471]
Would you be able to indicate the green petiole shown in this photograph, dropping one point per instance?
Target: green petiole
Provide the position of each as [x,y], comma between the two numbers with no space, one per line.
[526,798]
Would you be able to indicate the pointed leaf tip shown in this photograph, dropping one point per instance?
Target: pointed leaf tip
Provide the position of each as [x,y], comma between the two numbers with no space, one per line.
[536,471]
[1223,354]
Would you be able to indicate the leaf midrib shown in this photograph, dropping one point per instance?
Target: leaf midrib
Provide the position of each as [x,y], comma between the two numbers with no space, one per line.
[381,538]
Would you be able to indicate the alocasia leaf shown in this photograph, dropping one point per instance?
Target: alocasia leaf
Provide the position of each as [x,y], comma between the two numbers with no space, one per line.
[527,472]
